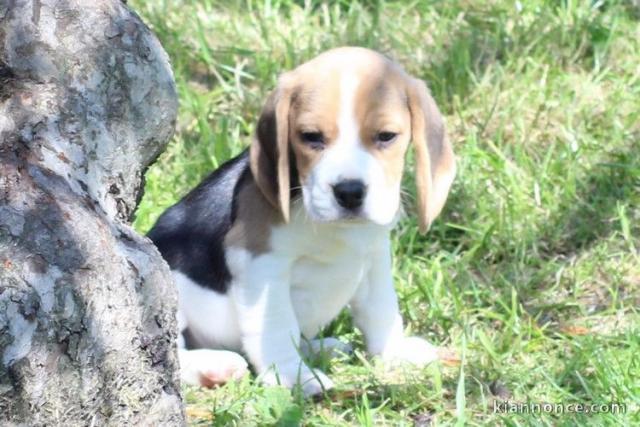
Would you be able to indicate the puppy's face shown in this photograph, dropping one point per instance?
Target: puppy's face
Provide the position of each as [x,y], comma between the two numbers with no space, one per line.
[349,127]
[342,123]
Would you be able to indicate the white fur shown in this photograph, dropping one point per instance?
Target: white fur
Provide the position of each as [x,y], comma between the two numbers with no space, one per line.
[346,159]
[208,367]
[313,271]
[318,264]
[213,324]
[210,316]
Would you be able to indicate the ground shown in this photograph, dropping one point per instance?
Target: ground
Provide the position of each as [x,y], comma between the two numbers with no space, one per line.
[532,273]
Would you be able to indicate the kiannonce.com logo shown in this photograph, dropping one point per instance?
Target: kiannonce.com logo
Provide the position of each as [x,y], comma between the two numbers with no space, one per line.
[510,407]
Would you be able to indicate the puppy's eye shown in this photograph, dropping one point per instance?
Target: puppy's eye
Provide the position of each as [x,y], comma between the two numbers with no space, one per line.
[385,138]
[314,139]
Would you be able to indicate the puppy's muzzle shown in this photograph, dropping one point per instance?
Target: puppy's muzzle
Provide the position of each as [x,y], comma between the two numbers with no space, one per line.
[350,193]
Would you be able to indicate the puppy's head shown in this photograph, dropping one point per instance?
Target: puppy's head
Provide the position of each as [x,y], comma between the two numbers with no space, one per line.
[341,123]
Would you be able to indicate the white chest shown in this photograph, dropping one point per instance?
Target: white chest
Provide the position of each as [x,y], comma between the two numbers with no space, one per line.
[315,270]
[320,289]
[328,265]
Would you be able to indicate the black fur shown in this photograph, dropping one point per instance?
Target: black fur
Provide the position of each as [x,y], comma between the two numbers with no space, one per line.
[190,234]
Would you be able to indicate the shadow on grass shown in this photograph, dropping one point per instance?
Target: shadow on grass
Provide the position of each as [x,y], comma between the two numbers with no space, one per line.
[589,215]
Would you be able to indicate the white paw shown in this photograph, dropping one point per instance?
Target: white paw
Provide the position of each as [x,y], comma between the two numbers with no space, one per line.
[210,368]
[315,382]
[413,350]
[312,382]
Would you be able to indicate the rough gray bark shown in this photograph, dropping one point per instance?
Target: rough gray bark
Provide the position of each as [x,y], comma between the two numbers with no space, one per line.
[87,101]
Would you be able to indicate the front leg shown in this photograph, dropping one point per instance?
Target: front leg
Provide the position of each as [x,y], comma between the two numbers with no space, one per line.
[268,324]
[376,313]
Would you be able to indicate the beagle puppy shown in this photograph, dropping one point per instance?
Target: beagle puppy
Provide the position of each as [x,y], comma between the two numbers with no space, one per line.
[276,242]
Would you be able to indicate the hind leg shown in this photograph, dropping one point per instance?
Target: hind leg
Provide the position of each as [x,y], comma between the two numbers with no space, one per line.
[206,367]
[210,368]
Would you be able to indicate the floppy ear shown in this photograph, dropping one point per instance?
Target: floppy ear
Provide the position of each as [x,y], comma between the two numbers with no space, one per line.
[269,152]
[435,163]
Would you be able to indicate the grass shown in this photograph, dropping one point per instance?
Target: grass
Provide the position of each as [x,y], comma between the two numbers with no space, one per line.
[532,271]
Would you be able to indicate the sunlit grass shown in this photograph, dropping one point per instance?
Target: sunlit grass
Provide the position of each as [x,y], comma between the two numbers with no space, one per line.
[533,267]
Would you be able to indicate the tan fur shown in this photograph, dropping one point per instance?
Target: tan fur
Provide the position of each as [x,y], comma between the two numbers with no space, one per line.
[387,99]
[315,109]
[381,106]
[269,153]
[435,163]
[255,218]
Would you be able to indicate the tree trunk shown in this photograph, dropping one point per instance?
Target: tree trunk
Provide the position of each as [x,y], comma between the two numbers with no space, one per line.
[87,321]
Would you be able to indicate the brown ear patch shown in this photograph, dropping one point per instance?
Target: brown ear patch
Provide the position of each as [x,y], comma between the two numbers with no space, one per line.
[263,155]
[435,162]
[269,152]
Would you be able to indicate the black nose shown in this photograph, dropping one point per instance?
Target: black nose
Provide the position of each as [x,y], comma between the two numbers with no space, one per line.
[350,193]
